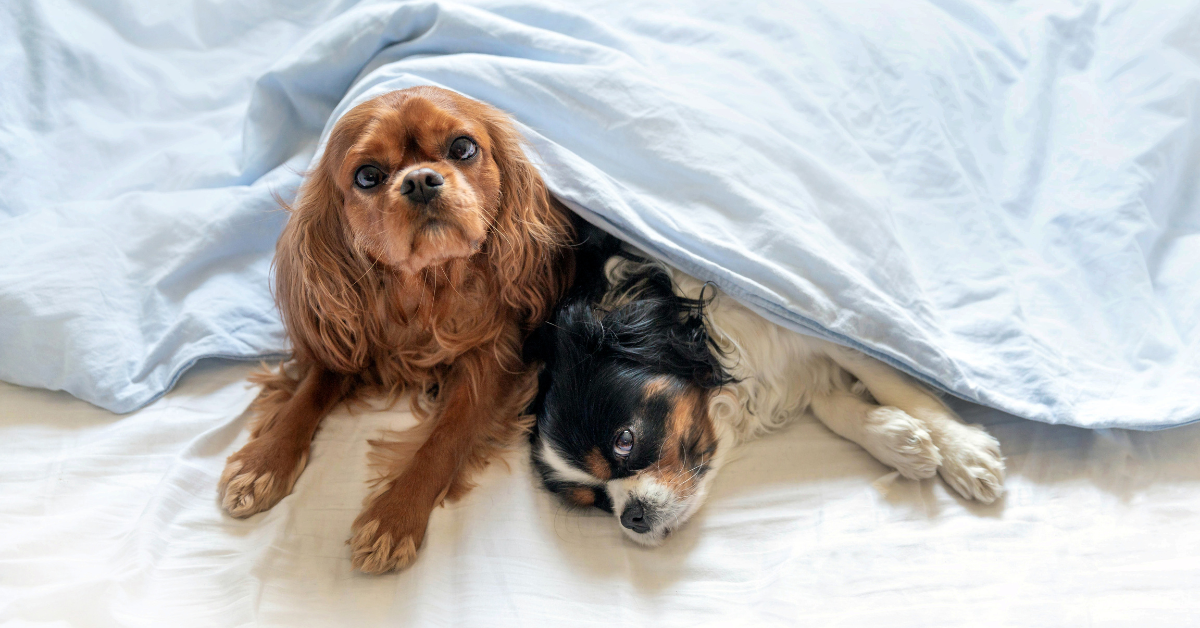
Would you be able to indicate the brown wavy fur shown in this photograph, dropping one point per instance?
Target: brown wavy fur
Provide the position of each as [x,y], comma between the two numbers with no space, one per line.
[359,324]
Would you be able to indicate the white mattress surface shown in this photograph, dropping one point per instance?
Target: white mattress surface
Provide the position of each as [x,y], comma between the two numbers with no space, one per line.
[110,520]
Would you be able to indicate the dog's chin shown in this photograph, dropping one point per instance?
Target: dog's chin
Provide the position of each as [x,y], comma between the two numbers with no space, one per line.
[653,538]
[435,242]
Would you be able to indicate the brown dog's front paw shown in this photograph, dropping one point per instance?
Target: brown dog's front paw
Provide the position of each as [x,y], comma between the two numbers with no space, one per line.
[386,536]
[257,477]
[377,551]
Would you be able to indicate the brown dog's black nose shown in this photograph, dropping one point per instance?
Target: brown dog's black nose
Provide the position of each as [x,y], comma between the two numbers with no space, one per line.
[421,185]
[634,517]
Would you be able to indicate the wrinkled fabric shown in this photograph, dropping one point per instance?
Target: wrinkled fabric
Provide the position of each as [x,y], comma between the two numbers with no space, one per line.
[999,199]
[114,521]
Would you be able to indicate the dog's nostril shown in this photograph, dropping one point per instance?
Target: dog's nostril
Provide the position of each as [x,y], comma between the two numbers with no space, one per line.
[634,517]
[434,179]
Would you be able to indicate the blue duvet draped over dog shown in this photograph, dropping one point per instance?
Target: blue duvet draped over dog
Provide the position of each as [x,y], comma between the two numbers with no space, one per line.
[998,198]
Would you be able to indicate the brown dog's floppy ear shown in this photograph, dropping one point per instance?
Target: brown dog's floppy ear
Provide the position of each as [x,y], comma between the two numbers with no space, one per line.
[324,287]
[531,231]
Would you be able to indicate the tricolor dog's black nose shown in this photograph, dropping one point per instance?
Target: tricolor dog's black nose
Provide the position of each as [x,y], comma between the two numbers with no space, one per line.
[421,185]
[634,517]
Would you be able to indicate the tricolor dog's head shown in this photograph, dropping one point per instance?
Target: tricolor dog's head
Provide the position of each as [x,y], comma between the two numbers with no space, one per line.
[623,418]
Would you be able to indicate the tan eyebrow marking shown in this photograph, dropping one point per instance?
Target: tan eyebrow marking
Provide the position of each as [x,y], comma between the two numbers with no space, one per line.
[656,386]
[597,465]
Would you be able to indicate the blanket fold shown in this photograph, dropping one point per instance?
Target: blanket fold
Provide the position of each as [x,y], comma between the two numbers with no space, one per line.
[1000,200]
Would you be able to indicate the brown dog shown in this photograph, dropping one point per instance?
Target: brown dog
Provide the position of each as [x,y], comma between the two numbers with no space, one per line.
[421,250]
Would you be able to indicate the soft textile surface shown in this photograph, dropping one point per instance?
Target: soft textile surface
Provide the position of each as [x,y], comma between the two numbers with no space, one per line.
[114,521]
[999,198]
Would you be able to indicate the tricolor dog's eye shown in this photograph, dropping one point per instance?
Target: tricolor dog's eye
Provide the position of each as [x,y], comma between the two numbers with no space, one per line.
[624,443]
[368,177]
[462,149]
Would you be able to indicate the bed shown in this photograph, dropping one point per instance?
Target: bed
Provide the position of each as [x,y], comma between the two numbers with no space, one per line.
[998,198]
[110,520]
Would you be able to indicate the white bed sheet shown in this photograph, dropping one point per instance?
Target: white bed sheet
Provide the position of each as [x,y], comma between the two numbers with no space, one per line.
[110,520]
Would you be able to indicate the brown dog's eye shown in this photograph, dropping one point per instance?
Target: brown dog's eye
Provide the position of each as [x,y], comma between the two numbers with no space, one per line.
[368,177]
[462,149]
[624,443]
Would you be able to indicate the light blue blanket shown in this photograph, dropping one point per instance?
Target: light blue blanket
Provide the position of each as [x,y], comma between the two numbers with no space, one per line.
[999,198]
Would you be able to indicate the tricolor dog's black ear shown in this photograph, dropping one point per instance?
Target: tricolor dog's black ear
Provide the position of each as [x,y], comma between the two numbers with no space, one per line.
[578,332]
[569,339]
[592,247]
[571,327]
[572,337]
[574,333]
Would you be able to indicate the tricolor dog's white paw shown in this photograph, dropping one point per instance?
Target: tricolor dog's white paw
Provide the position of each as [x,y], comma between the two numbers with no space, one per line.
[971,462]
[901,442]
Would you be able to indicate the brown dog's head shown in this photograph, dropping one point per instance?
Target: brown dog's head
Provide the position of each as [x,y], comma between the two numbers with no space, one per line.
[418,172]
[415,186]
